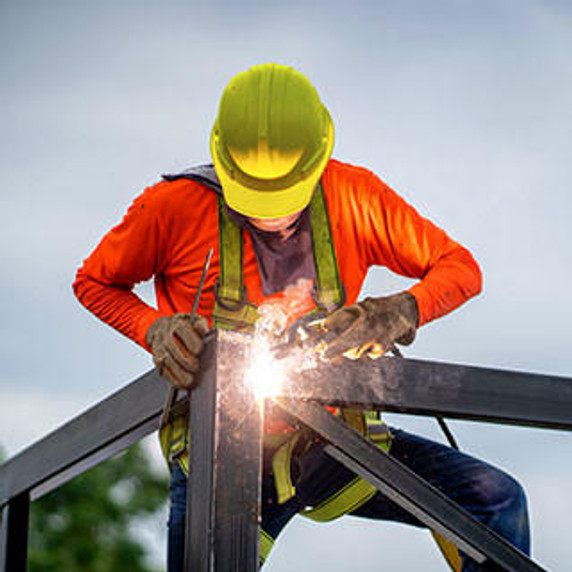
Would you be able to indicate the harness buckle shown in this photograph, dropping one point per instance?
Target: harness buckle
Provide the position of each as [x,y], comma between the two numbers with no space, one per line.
[230,305]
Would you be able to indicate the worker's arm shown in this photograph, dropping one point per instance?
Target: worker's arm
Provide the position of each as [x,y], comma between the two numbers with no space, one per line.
[138,248]
[389,232]
[400,238]
[129,253]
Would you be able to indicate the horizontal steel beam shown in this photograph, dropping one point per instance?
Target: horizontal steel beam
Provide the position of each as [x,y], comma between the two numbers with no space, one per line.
[408,490]
[401,385]
[433,388]
[97,434]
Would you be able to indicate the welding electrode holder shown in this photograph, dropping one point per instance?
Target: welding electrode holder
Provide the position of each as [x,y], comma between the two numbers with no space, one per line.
[298,335]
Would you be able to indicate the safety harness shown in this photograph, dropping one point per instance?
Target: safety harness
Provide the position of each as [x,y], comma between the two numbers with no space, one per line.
[233,311]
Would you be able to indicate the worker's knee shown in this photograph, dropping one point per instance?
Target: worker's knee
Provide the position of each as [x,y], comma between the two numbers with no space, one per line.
[502,505]
[496,490]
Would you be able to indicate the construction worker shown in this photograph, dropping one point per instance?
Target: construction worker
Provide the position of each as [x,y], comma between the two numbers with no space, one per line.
[278,210]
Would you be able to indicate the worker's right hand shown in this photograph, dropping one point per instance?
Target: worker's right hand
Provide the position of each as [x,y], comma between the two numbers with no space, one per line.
[176,342]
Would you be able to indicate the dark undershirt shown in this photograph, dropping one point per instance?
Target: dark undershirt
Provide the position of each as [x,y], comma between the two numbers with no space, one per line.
[281,262]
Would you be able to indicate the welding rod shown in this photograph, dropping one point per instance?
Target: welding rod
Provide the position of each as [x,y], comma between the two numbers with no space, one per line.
[206,266]
[171,397]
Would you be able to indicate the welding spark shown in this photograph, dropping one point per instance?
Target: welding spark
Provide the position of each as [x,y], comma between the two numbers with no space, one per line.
[266,374]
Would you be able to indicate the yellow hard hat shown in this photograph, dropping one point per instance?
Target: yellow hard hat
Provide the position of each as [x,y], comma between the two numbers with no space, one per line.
[271,141]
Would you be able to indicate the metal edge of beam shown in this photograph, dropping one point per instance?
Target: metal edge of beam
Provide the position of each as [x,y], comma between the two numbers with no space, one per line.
[14,529]
[223,491]
[130,408]
[4,513]
[200,493]
[408,490]
[434,388]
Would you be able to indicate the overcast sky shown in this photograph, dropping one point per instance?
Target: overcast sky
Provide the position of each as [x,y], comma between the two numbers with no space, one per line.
[463,106]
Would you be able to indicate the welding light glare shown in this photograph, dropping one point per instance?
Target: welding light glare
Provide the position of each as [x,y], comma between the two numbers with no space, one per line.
[265,373]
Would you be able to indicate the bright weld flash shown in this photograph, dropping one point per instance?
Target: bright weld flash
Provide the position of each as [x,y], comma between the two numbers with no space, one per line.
[266,374]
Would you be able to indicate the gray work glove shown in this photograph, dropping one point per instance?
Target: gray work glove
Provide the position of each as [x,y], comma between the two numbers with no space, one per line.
[176,342]
[371,326]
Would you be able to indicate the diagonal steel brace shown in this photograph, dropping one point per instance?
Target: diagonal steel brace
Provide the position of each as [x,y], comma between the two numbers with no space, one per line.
[409,491]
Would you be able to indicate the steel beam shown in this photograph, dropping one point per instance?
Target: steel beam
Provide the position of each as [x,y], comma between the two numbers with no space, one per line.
[223,494]
[14,534]
[442,389]
[409,491]
[97,434]
[401,385]
[224,438]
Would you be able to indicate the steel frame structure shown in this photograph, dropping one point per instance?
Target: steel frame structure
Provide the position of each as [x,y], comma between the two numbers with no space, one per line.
[226,445]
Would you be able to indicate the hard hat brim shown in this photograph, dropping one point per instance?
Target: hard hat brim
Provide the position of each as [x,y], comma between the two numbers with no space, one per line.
[271,203]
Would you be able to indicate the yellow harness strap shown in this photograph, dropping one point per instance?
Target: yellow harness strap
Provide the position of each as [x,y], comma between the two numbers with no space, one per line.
[174,439]
[355,494]
[449,551]
[281,464]
[358,491]
[350,497]
[232,310]
[266,545]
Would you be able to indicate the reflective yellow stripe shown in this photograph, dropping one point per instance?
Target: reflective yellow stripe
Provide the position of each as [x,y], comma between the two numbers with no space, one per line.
[349,498]
[266,545]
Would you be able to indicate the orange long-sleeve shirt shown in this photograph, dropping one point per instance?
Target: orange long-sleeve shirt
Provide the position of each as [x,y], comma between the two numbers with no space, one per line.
[170,227]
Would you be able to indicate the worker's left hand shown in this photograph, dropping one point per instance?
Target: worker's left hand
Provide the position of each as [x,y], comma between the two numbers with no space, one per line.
[372,325]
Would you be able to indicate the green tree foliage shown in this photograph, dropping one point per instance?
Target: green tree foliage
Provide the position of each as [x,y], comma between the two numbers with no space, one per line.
[87,524]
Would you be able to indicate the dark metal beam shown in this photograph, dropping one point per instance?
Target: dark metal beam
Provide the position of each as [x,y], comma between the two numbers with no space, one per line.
[98,456]
[14,534]
[401,385]
[404,385]
[223,495]
[447,390]
[99,433]
[408,490]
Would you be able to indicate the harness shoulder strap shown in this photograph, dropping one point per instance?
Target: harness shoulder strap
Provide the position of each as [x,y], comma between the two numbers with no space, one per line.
[329,292]
[232,309]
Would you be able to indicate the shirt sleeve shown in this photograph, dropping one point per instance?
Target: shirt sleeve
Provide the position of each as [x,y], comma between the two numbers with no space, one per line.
[129,253]
[398,237]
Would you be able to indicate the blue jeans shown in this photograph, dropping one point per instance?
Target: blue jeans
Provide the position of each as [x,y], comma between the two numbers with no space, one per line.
[490,495]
